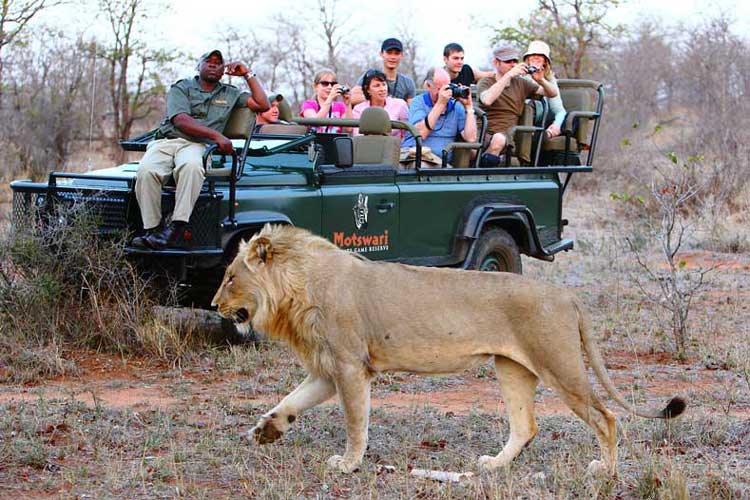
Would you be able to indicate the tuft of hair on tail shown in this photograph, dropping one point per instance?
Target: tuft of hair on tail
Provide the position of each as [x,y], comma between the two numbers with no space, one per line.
[674,409]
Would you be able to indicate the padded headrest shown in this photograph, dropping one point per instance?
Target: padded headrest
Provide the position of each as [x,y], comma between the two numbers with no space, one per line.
[375,121]
[285,111]
[238,123]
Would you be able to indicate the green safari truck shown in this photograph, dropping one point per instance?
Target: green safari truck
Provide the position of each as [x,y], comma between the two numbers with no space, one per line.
[351,190]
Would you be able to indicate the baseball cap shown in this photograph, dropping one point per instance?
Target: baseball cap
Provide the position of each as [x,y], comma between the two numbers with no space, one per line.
[275,97]
[205,56]
[391,43]
[505,53]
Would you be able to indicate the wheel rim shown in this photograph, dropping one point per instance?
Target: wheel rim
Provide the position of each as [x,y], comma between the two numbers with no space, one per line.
[494,263]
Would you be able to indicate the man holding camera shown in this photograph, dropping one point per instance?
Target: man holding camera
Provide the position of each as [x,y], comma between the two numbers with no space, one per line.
[441,113]
[502,98]
[198,109]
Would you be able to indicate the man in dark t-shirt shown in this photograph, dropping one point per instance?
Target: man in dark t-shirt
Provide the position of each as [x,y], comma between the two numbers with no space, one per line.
[502,96]
[453,57]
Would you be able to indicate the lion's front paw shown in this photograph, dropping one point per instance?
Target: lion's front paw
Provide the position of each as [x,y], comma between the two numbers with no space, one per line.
[487,463]
[341,464]
[597,468]
[265,432]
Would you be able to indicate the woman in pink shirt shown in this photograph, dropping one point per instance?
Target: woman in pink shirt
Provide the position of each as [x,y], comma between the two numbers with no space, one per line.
[324,104]
[375,88]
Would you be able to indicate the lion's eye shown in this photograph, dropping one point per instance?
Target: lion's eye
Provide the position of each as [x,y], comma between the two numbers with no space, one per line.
[230,279]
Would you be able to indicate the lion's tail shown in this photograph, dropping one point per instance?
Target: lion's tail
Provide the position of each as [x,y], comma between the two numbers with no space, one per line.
[675,406]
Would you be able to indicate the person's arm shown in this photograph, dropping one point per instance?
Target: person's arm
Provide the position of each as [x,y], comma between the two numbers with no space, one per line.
[479,74]
[491,94]
[546,88]
[558,110]
[469,133]
[325,106]
[258,101]
[192,127]
[434,114]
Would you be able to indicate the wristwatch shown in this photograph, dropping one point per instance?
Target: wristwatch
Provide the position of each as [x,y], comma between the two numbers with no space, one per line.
[250,74]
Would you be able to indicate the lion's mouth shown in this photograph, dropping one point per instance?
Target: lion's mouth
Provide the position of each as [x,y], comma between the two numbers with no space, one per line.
[241,315]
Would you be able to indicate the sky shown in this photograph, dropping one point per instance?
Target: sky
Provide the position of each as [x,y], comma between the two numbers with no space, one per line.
[191,24]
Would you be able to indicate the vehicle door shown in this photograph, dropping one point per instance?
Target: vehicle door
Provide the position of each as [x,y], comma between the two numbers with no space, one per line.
[360,210]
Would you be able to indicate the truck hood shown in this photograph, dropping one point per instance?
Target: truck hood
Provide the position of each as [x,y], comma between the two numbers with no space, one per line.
[252,176]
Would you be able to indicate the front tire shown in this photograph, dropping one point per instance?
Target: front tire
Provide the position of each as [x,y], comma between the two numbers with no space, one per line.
[496,251]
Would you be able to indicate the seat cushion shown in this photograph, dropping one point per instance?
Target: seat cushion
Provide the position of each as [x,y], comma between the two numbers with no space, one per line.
[558,144]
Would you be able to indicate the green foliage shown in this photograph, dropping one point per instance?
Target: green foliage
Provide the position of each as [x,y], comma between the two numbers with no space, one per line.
[572,28]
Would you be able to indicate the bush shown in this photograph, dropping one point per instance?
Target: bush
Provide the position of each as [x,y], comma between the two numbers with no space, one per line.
[62,287]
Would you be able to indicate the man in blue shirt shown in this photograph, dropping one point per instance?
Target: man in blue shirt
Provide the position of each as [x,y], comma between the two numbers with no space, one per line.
[438,117]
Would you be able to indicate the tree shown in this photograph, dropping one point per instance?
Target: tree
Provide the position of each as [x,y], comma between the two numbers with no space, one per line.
[135,90]
[15,15]
[572,28]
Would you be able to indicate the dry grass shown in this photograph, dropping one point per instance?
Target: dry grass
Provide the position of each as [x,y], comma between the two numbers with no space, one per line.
[191,446]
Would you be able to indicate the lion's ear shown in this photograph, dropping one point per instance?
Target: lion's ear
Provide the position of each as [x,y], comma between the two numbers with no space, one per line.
[260,247]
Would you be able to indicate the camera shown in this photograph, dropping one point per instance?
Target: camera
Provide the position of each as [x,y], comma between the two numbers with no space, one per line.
[343,90]
[459,91]
[531,69]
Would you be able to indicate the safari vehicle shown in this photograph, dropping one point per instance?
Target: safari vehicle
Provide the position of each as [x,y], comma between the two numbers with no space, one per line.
[353,191]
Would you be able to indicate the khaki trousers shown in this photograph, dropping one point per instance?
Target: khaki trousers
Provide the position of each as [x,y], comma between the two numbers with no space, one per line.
[164,158]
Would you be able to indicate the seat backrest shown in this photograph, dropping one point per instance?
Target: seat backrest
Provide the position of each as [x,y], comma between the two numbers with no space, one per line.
[238,125]
[376,144]
[524,140]
[285,111]
[579,95]
[283,129]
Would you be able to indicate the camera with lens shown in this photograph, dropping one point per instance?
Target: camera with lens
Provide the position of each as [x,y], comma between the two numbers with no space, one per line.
[343,90]
[459,91]
[531,69]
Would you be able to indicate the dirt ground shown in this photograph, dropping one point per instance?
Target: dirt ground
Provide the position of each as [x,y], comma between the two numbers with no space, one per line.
[138,428]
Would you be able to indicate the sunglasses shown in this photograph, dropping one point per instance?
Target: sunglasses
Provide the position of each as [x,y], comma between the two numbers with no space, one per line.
[515,61]
[326,83]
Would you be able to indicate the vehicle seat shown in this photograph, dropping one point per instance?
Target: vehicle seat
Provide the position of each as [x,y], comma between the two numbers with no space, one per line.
[581,101]
[283,129]
[376,145]
[524,135]
[239,126]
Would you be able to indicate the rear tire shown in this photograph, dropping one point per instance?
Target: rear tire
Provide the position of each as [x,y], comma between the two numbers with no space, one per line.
[496,251]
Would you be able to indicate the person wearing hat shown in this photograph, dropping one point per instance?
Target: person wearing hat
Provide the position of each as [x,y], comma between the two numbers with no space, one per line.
[502,96]
[272,115]
[198,109]
[453,57]
[537,55]
[400,85]
[438,117]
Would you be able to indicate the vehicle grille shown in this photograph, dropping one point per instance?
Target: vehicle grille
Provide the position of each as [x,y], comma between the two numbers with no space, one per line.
[204,221]
[109,208]
[23,206]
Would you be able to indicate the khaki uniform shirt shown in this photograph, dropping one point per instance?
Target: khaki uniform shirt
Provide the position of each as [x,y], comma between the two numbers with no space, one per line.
[211,109]
[508,107]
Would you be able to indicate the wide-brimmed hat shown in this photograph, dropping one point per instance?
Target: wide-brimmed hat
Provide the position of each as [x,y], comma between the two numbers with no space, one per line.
[538,47]
[505,53]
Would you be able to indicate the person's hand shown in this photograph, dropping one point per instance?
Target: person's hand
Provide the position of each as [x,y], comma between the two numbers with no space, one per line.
[333,94]
[466,101]
[236,68]
[552,131]
[538,75]
[225,145]
[357,94]
[346,97]
[445,94]
[517,70]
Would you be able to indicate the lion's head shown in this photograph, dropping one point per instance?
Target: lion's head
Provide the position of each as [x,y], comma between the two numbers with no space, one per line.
[265,280]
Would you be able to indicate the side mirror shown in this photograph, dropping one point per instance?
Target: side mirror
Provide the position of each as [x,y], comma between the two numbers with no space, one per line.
[344,152]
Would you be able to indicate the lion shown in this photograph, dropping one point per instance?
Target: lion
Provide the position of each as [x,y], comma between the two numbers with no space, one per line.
[348,318]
